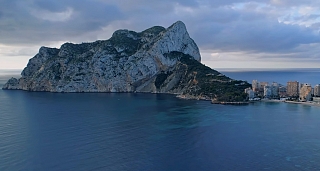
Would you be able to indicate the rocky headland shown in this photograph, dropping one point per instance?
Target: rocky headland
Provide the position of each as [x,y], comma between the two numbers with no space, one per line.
[156,60]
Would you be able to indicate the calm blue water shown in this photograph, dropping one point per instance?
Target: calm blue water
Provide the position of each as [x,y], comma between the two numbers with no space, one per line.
[282,76]
[54,132]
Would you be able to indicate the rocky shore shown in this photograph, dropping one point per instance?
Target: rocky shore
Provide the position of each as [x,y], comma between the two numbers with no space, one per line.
[230,103]
[192,97]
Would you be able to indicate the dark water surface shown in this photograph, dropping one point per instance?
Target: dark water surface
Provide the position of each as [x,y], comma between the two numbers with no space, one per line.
[106,131]
[51,131]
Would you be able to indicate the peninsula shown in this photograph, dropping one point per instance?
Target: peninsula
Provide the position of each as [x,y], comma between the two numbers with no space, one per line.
[156,60]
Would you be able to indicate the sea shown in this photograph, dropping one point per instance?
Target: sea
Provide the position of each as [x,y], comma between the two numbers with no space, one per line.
[41,131]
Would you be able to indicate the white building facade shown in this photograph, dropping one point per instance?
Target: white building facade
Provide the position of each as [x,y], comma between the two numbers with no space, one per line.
[305,93]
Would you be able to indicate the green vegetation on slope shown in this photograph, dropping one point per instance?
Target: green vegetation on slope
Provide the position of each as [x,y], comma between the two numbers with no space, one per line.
[210,83]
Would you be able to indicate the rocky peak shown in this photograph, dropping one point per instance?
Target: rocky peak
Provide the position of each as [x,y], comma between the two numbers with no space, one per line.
[179,25]
[176,38]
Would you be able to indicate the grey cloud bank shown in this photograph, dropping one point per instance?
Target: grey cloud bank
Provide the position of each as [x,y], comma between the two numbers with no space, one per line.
[266,33]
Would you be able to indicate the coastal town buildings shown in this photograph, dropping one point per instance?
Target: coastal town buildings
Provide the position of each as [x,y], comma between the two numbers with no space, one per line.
[305,93]
[255,85]
[274,89]
[293,88]
[282,91]
[267,91]
[262,85]
[250,93]
[317,90]
[257,88]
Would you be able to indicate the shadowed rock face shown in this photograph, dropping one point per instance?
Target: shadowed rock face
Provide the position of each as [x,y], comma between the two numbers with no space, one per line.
[155,60]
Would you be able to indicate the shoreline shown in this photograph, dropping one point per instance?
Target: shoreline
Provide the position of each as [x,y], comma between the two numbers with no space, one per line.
[190,97]
[304,103]
[292,102]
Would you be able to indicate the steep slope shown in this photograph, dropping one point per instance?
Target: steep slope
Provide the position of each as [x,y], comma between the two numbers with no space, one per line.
[193,80]
[156,60]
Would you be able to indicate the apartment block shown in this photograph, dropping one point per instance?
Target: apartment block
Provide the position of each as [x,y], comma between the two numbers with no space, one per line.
[293,88]
[267,91]
[282,91]
[250,93]
[305,93]
[317,90]
[274,89]
[255,85]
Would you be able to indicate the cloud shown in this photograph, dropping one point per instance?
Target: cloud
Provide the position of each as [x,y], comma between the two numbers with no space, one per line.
[291,3]
[53,16]
[240,28]
[244,29]
[28,22]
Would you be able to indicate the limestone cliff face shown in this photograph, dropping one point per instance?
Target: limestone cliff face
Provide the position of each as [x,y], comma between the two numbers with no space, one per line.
[156,60]
[127,62]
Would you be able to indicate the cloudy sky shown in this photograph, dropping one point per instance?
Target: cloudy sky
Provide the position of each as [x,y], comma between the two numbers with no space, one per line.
[229,33]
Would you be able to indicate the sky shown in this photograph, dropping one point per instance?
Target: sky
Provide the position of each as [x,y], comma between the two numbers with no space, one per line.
[229,33]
